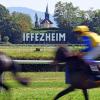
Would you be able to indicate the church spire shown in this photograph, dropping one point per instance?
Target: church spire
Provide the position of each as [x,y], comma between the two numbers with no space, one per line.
[46,23]
[47,9]
[46,13]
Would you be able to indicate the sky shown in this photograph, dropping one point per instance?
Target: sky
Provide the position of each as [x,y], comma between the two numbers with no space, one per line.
[40,5]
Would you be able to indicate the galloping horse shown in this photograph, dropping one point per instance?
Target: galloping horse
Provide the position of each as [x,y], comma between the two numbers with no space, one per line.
[7,64]
[78,73]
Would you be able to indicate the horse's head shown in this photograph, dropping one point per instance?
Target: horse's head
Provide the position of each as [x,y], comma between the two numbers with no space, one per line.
[5,61]
[61,54]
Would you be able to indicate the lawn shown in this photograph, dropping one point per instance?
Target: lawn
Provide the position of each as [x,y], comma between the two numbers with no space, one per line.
[43,86]
[29,51]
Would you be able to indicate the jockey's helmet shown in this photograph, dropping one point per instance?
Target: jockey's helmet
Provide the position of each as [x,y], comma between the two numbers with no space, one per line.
[82,28]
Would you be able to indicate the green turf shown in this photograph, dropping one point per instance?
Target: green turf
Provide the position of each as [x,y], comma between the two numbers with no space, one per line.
[29,51]
[43,86]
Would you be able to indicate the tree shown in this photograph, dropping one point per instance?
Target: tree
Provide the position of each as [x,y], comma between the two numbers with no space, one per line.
[8,27]
[95,22]
[3,12]
[4,15]
[23,20]
[36,21]
[67,16]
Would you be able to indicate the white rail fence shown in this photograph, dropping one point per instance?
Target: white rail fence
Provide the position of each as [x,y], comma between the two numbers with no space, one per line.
[41,61]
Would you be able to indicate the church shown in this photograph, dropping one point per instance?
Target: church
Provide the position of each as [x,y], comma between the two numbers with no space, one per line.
[44,23]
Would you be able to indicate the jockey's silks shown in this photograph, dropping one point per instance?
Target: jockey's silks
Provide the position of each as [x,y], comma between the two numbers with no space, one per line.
[90,39]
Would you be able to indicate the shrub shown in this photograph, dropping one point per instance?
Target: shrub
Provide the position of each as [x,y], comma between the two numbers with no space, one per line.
[6,39]
[37,49]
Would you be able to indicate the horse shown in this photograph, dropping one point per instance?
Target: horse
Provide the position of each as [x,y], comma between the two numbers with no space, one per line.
[78,73]
[7,64]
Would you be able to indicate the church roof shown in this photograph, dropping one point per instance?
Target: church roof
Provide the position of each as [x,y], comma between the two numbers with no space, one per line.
[46,21]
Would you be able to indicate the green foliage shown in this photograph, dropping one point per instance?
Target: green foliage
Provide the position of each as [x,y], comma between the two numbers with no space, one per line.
[95,21]
[23,20]
[8,27]
[6,39]
[67,16]
[14,25]
[3,12]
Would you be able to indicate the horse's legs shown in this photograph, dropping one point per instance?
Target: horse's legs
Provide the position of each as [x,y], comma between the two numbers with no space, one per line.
[69,89]
[2,85]
[16,68]
[7,88]
[85,94]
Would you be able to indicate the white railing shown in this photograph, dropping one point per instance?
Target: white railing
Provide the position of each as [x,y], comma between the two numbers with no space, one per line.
[40,61]
[34,61]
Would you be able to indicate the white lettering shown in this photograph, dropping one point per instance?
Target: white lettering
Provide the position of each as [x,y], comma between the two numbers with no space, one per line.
[47,37]
[32,37]
[27,36]
[36,37]
[56,36]
[24,37]
[62,37]
[53,37]
[42,37]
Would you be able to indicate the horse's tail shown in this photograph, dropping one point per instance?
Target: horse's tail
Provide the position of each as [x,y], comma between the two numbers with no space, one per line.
[16,68]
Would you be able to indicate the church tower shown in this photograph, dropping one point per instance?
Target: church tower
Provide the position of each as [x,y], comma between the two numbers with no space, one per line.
[46,23]
[46,13]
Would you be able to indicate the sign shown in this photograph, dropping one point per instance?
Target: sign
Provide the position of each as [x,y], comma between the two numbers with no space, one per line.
[47,38]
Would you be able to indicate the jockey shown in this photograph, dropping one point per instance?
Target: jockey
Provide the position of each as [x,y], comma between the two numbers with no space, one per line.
[91,40]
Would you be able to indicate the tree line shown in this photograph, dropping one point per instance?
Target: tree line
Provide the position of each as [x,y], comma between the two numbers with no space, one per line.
[12,25]
[68,16]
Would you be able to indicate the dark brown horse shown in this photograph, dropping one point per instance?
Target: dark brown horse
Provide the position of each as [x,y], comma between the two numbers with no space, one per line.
[78,73]
[7,64]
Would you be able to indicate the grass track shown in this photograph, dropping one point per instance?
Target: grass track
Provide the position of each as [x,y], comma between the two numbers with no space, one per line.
[44,86]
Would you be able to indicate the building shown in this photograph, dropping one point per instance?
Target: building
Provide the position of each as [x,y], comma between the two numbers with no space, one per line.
[45,23]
